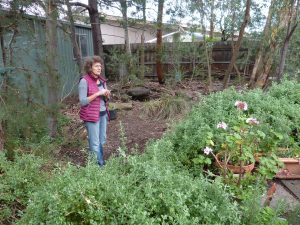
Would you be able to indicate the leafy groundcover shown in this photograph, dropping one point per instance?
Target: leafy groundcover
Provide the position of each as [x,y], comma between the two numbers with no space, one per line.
[161,186]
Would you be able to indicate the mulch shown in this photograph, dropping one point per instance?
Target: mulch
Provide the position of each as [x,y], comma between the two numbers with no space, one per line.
[138,129]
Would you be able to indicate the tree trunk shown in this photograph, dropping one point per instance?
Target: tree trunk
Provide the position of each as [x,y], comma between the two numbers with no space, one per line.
[142,59]
[3,89]
[209,75]
[96,30]
[125,25]
[265,57]
[159,67]
[92,8]
[208,58]
[4,59]
[143,42]
[267,62]
[237,45]
[52,70]
[292,25]
[283,54]
[2,139]
[259,57]
[76,49]
[212,19]
[7,61]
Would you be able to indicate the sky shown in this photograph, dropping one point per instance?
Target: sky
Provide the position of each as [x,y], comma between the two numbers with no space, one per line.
[152,12]
[187,21]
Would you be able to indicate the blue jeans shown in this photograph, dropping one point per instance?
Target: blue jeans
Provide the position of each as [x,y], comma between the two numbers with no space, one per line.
[97,137]
[103,126]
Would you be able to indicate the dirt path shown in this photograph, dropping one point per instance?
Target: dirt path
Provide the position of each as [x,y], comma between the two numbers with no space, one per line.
[138,128]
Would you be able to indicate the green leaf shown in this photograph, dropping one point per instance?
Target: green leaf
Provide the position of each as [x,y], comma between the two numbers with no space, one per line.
[261,134]
[278,135]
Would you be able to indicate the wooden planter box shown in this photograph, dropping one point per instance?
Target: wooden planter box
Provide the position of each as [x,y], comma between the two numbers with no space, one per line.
[291,169]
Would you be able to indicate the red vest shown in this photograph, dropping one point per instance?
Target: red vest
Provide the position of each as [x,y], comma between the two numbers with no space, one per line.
[102,79]
[91,111]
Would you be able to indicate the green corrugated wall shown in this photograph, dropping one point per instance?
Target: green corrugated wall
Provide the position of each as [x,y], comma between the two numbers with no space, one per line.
[29,53]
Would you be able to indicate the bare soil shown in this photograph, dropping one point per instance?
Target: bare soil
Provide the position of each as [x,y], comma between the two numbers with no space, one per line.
[138,129]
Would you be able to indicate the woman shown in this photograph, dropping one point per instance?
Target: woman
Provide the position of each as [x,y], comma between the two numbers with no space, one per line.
[93,96]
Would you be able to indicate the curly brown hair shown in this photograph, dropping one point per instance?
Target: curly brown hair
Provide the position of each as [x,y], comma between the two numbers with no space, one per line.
[90,61]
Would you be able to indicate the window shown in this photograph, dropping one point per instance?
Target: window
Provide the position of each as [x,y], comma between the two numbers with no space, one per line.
[82,44]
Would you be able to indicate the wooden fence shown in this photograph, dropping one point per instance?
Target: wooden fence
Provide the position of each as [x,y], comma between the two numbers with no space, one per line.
[189,59]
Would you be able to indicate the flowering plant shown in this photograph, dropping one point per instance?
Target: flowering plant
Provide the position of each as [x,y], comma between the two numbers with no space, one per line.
[235,143]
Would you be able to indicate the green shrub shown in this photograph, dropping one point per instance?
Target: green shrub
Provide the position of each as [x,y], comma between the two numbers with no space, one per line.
[287,89]
[160,186]
[19,178]
[253,213]
[293,217]
[278,118]
[147,189]
[22,121]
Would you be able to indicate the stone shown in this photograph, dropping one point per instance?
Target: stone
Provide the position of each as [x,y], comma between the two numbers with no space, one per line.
[139,93]
[120,105]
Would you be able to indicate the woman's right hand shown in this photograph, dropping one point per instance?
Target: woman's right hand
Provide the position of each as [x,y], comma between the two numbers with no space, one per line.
[102,92]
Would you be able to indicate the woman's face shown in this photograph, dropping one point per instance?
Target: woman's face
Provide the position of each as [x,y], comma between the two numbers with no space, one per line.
[96,68]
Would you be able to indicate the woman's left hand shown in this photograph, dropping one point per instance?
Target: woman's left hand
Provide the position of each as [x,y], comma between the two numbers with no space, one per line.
[107,94]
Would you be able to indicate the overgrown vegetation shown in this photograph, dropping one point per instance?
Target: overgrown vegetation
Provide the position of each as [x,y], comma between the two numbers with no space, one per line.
[19,179]
[294,216]
[145,190]
[165,185]
[25,125]
[174,182]
[278,112]
[167,107]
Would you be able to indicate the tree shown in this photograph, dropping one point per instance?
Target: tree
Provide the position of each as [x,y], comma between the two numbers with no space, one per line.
[124,6]
[2,138]
[141,5]
[236,48]
[92,8]
[8,23]
[2,132]
[202,7]
[51,10]
[292,64]
[159,66]
[143,40]
[76,49]
[276,22]
[126,67]
[212,19]
[293,21]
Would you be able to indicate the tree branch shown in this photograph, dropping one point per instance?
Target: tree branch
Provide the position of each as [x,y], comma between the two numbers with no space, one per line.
[80,4]
[291,31]
[10,45]
[115,7]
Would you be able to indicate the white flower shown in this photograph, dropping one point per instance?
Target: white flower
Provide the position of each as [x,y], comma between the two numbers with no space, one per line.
[241,105]
[222,125]
[252,121]
[207,150]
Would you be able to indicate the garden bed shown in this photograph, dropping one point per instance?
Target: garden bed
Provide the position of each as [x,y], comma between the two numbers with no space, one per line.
[291,169]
